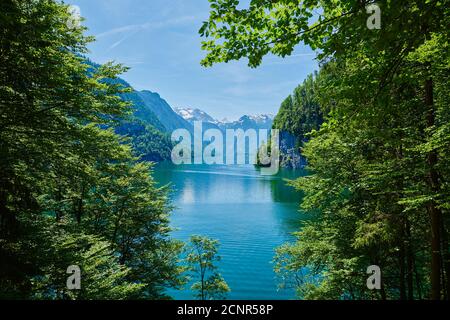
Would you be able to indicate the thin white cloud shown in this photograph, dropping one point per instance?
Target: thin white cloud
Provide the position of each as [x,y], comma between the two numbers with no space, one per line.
[117,43]
[133,28]
[130,30]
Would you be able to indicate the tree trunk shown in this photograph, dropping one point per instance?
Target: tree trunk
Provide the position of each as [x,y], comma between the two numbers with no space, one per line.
[433,211]
[418,282]
[3,213]
[383,291]
[401,260]
[446,261]
[409,261]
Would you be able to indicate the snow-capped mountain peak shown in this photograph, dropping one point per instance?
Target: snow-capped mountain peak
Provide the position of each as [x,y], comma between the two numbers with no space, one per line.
[261,121]
[191,115]
[262,117]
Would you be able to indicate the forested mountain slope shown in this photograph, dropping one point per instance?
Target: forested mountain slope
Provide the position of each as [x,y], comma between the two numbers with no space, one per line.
[163,111]
[299,115]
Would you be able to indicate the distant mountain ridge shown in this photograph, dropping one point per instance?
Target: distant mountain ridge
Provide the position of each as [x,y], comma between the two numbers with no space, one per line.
[153,120]
[263,121]
[191,115]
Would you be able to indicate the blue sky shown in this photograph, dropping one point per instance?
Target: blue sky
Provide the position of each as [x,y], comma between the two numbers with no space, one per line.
[159,40]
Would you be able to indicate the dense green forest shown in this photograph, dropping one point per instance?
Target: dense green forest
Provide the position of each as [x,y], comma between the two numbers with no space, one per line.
[76,187]
[72,191]
[300,113]
[378,192]
[148,137]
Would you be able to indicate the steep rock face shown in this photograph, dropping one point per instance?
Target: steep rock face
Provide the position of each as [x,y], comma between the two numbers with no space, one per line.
[290,152]
[299,114]
[165,114]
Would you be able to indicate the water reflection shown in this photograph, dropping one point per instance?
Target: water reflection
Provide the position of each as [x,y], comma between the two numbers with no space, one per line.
[248,213]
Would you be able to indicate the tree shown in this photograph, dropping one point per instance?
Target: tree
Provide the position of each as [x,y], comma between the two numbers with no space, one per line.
[367,183]
[201,256]
[378,187]
[149,144]
[71,192]
[336,28]
[102,277]
[133,215]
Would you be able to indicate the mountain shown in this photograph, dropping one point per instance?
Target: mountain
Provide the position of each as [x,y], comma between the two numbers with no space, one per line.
[245,122]
[299,114]
[250,122]
[191,115]
[165,114]
[141,110]
[148,135]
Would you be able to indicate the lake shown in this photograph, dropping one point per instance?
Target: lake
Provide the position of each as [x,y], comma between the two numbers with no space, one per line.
[251,215]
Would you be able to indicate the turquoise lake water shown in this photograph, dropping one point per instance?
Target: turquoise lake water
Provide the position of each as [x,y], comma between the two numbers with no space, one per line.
[251,215]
